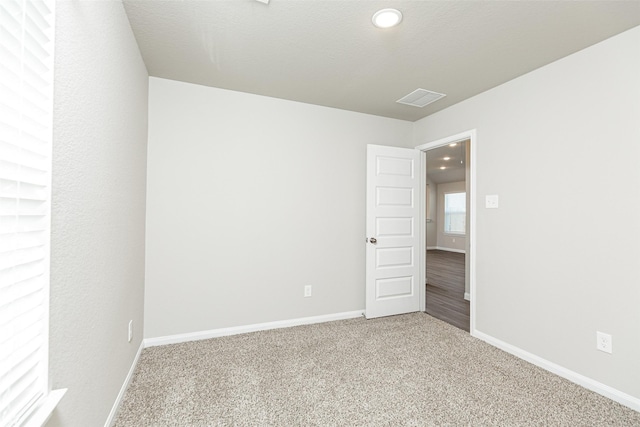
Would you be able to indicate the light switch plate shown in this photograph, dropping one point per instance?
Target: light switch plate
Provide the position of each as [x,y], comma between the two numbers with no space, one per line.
[491,202]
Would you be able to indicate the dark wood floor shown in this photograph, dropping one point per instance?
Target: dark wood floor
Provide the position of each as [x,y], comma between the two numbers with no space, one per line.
[445,288]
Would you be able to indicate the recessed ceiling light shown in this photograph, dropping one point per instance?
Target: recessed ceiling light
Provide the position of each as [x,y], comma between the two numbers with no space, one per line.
[453,145]
[442,167]
[386,18]
[446,158]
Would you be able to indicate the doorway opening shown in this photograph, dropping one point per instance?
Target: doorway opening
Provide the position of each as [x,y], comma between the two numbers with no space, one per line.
[448,234]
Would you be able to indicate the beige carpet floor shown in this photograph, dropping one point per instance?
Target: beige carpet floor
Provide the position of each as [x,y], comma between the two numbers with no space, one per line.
[410,370]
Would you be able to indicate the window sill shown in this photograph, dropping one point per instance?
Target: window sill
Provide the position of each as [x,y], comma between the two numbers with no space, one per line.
[43,410]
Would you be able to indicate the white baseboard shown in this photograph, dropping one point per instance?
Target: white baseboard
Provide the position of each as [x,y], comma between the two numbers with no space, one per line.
[467,296]
[440,248]
[586,382]
[214,333]
[116,405]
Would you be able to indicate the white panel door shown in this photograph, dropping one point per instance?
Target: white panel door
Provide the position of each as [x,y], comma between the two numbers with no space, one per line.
[393,209]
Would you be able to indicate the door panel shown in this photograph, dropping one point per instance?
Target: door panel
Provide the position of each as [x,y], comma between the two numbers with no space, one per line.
[394,227]
[393,193]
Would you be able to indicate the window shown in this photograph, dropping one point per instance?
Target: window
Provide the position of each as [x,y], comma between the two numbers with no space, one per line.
[455,213]
[26,102]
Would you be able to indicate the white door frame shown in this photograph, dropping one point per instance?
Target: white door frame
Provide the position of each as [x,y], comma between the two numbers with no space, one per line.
[467,135]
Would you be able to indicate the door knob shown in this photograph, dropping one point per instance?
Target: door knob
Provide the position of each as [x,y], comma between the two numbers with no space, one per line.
[373,240]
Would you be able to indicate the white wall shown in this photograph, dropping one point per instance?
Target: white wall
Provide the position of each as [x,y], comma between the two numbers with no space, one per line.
[98,212]
[445,240]
[250,198]
[467,242]
[432,214]
[553,265]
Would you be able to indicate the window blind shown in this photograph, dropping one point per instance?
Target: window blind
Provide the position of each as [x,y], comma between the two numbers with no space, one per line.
[455,213]
[26,95]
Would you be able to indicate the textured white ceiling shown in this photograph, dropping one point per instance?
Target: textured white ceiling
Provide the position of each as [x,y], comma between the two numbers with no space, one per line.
[328,52]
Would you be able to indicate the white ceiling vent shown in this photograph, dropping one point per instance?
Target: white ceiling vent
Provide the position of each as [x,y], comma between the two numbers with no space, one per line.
[420,98]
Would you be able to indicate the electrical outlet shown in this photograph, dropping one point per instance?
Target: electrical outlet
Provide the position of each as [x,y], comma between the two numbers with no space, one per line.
[130,330]
[604,342]
[307,291]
